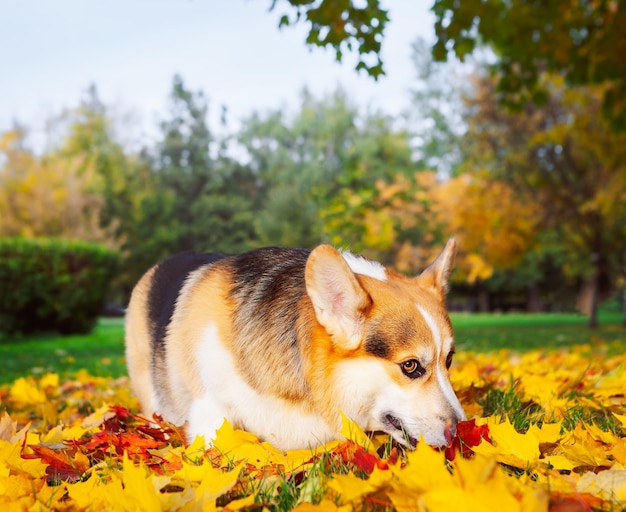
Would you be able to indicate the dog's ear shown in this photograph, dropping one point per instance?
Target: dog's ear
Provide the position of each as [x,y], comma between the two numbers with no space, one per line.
[437,273]
[338,299]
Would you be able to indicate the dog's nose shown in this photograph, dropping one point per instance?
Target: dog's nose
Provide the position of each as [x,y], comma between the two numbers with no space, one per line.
[450,430]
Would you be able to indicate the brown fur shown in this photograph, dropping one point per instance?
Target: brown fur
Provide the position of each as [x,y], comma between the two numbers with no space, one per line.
[291,333]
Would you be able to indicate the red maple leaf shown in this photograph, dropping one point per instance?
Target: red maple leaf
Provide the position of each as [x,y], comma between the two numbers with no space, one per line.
[366,461]
[62,464]
[468,434]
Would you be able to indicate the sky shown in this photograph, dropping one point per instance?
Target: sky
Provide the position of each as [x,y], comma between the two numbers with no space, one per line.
[232,50]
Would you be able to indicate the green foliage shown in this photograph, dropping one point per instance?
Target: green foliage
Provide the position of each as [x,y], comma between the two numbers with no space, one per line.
[117,178]
[53,285]
[535,199]
[599,416]
[312,164]
[197,197]
[436,111]
[340,25]
[507,403]
[582,41]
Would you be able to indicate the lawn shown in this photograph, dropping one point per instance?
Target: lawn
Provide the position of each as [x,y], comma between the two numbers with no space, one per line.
[528,331]
[102,351]
[546,432]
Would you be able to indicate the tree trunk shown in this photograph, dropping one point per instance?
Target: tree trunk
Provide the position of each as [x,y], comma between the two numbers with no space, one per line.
[483,300]
[534,304]
[593,314]
[588,299]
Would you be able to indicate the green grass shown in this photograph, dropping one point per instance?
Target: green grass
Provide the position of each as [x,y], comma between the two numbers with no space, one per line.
[102,351]
[529,331]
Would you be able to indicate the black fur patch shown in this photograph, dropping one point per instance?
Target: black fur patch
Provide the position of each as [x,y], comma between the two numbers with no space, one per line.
[268,285]
[399,333]
[376,345]
[167,282]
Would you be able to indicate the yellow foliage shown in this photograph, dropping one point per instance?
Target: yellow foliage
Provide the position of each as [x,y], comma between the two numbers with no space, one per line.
[553,457]
[492,224]
[54,195]
[25,392]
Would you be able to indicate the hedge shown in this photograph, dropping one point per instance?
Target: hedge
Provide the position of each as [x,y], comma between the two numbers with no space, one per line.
[53,285]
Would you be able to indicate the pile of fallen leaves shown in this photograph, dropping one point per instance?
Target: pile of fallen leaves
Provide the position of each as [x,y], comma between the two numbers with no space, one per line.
[547,431]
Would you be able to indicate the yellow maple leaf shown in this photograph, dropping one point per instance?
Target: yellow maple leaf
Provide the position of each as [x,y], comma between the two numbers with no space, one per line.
[18,486]
[215,484]
[509,446]
[50,381]
[351,488]
[353,432]
[555,481]
[560,462]
[197,448]
[241,503]
[135,489]
[619,451]
[325,505]
[425,469]
[587,445]
[239,445]
[11,455]
[228,438]
[62,433]
[185,501]
[486,498]
[24,392]
[547,433]
[88,493]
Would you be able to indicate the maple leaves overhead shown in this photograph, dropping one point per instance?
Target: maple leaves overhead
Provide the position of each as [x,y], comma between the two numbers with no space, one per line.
[547,431]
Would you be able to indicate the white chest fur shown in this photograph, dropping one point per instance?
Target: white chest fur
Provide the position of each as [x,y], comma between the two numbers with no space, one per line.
[226,395]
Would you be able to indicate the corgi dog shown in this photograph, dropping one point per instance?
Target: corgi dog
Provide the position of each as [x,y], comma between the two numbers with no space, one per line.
[280,342]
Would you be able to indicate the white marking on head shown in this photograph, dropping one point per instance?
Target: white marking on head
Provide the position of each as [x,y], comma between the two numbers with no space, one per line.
[368,395]
[432,325]
[442,379]
[360,265]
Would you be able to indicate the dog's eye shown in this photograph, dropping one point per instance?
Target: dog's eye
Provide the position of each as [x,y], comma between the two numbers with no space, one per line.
[449,359]
[412,368]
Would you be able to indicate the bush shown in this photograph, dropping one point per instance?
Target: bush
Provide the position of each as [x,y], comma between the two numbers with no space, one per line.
[53,285]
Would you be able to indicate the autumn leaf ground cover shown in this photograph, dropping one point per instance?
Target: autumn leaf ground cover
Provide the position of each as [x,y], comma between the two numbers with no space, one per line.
[546,431]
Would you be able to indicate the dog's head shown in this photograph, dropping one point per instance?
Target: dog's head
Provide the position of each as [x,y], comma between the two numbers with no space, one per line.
[389,344]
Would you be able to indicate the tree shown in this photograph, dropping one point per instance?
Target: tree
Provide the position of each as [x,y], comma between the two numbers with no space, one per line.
[392,220]
[342,25]
[495,226]
[316,167]
[198,194]
[581,40]
[436,111]
[90,139]
[567,159]
[47,196]
[296,161]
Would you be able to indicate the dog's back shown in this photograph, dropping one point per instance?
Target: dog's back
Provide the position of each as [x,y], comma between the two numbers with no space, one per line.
[263,289]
